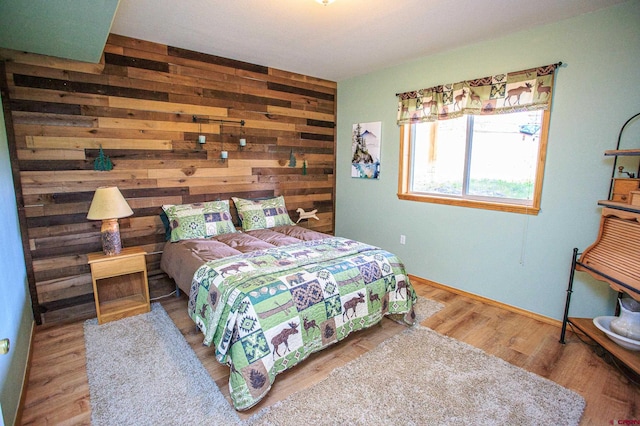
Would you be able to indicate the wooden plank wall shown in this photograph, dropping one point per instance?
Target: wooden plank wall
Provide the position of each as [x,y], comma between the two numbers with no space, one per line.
[138,106]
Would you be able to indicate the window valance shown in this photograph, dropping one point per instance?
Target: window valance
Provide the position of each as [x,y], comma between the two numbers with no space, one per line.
[501,93]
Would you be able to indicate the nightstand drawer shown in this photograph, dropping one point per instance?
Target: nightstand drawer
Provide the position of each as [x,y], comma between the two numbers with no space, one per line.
[118,266]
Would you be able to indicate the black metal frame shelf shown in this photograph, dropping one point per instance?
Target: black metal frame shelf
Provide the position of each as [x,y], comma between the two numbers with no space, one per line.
[603,253]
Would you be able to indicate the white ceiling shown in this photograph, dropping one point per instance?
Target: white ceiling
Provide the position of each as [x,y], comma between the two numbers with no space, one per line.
[338,41]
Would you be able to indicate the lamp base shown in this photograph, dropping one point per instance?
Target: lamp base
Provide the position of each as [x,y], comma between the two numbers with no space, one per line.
[110,233]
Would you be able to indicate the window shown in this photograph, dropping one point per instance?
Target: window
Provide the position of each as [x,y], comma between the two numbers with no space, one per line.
[485,161]
[477,143]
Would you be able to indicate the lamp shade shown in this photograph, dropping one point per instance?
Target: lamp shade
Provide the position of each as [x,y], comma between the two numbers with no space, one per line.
[108,203]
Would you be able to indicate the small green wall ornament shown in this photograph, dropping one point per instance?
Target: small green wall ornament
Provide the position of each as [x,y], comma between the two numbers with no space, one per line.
[292,159]
[102,163]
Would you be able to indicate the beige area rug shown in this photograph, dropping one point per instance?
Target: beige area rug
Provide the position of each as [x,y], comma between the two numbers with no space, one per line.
[420,377]
[142,372]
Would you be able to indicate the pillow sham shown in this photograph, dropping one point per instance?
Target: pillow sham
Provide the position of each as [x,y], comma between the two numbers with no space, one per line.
[262,214]
[199,220]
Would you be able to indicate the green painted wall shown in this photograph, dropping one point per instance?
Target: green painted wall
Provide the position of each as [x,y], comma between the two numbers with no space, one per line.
[516,259]
[73,29]
[16,319]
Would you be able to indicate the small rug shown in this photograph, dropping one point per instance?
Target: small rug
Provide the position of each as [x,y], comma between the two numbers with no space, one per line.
[142,371]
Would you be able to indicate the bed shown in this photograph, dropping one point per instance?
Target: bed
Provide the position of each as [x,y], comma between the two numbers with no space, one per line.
[269,296]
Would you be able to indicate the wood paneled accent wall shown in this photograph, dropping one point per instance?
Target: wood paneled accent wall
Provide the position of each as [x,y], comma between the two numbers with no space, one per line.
[137,105]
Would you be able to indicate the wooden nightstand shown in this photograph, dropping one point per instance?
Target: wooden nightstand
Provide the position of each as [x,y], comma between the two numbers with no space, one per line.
[120,286]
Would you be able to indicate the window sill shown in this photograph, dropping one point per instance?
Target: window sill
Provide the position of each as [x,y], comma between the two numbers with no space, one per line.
[503,207]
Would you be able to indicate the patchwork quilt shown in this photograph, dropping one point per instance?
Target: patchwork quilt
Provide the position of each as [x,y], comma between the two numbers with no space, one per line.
[265,311]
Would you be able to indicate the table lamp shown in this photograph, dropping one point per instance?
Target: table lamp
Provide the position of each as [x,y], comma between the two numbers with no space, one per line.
[109,205]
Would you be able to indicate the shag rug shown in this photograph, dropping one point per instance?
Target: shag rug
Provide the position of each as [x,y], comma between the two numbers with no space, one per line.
[142,372]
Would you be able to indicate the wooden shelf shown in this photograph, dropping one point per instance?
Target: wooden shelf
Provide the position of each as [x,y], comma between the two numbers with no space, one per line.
[615,256]
[619,206]
[622,152]
[630,358]
[123,307]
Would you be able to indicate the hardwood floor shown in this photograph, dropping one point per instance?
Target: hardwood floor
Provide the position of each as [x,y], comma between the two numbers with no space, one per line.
[58,392]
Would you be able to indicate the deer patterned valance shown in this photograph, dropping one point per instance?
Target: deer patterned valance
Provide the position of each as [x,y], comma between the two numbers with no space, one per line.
[511,92]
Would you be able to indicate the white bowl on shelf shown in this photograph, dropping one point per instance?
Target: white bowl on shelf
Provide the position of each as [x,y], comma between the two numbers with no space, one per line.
[603,323]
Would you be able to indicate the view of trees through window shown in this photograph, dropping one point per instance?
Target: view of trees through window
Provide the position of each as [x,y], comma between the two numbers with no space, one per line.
[486,157]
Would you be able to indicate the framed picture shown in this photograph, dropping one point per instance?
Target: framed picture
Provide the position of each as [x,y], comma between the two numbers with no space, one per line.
[365,150]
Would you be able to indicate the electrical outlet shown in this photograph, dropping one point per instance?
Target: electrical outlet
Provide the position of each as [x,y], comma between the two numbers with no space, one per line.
[403,239]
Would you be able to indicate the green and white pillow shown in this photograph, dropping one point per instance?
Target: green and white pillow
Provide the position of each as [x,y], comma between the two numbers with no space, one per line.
[262,214]
[199,220]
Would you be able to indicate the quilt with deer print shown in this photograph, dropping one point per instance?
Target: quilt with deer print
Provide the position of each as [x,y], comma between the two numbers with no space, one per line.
[265,311]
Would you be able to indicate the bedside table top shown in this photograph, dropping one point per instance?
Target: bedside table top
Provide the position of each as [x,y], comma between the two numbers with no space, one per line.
[126,252]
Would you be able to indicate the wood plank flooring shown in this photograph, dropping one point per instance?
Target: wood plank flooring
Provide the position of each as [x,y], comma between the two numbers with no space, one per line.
[58,391]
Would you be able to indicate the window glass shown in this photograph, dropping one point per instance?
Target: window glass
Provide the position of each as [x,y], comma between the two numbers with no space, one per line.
[487,161]
[439,156]
[504,155]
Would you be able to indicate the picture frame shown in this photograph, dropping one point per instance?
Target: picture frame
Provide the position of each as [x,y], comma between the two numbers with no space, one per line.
[366,145]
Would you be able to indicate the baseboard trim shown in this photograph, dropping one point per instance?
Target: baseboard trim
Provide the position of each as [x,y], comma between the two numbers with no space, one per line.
[510,308]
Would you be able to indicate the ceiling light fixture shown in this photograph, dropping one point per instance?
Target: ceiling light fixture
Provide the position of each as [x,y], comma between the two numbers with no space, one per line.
[325,2]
